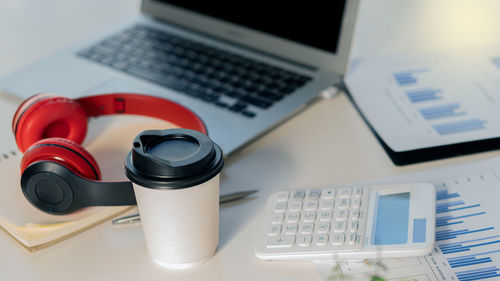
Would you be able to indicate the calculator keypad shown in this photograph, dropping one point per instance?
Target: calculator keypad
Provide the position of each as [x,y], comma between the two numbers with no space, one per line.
[328,219]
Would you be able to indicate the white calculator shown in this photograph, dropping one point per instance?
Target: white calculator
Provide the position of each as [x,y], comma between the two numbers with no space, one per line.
[349,223]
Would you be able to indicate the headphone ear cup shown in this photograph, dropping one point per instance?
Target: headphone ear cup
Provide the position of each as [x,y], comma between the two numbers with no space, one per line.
[65,152]
[46,116]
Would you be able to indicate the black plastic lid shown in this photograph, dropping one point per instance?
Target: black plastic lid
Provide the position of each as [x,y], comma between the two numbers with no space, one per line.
[173,158]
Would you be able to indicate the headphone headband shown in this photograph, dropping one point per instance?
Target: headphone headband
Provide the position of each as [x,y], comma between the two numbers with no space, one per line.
[137,104]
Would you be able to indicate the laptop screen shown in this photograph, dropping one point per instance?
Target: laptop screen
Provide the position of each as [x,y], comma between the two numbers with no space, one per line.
[315,25]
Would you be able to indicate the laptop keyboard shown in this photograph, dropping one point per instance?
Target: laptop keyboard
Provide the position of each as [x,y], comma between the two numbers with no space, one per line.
[224,79]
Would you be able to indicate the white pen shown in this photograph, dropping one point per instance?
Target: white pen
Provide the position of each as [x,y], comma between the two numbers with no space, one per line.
[222,199]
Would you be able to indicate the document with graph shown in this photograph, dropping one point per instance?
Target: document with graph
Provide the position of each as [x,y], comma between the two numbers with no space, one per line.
[467,230]
[419,102]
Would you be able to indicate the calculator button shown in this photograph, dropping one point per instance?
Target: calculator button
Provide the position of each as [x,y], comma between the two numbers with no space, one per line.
[325,215]
[357,192]
[280,207]
[343,203]
[292,217]
[356,203]
[354,214]
[344,192]
[304,240]
[321,239]
[277,218]
[326,204]
[341,215]
[280,242]
[328,193]
[352,238]
[290,228]
[314,194]
[353,225]
[295,206]
[306,228]
[274,229]
[299,194]
[283,195]
[339,226]
[308,216]
[338,239]
[311,205]
[323,227]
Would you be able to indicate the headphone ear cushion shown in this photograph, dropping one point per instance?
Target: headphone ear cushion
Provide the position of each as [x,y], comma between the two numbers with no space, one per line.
[46,116]
[65,152]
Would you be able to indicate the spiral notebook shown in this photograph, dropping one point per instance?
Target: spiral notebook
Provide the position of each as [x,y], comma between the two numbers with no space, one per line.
[108,139]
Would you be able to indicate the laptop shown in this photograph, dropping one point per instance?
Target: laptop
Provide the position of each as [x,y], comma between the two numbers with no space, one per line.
[244,67]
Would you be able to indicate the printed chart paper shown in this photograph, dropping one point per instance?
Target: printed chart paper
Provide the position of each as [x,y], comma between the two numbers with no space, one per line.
[467,229]
[416,102]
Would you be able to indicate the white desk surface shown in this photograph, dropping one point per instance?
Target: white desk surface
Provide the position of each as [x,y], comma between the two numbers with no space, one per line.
[327,144]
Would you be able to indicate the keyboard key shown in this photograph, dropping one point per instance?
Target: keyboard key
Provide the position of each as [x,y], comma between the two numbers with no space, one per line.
[221,104]
[343,203]
[344,192]
[280,207]
[358,191]
[295,206]
[352,238]
[254,100]
[309,216]
[285,241]
[304,240]
[328,193]
[277,218]
[353,226]
[321,239]
[306,228]
[237,107]
[293,217]
[299,194]
[323,227]
[339,226]
[274,229]
[341,215]
[325,215]
[326,204]
[290,228]
[158,78]
[283,196]
[356,203]
[314,194]
[338,239]
[311,205]
[248,114]
[354,214]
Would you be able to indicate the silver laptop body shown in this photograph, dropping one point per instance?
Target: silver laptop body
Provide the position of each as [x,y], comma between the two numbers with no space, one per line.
[71,74]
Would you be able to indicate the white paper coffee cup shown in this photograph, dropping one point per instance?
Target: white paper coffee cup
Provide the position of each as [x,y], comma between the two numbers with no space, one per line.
[175,174]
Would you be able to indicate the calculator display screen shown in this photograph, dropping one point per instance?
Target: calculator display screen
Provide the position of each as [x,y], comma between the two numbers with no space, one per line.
[391,219]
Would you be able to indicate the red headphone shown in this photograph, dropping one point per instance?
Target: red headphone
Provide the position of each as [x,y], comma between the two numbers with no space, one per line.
[58,174]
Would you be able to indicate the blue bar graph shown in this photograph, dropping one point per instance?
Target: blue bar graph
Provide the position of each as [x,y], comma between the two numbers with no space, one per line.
[441,111]
[423,95]
[478,274]
[408,77]
[461,247]
[496,61]
[460,126]
[447,209]
[446,220]
[451,234]
[456,212]
[443,195]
